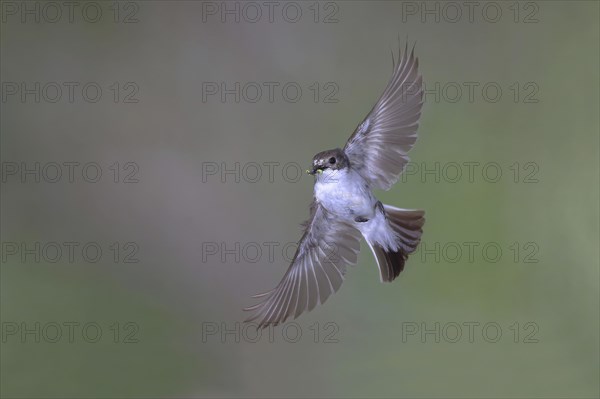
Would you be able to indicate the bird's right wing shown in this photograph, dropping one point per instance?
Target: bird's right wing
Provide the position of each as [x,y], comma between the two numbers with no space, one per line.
[317,270]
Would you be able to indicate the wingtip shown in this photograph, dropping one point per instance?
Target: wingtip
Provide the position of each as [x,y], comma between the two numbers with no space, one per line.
[403,53]
[262,294]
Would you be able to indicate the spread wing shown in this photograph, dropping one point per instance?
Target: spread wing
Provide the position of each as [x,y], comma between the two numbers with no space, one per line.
[317,270]
[377,149]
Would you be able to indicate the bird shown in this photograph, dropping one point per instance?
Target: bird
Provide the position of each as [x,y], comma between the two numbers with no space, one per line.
[344,210]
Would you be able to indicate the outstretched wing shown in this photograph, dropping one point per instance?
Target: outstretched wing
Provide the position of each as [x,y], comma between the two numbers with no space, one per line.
[317,270]
[377,149]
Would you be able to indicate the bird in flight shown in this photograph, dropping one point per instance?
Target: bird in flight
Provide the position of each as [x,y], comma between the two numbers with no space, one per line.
[344,209]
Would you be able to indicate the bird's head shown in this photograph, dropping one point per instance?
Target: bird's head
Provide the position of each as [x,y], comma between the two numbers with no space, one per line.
[331,159]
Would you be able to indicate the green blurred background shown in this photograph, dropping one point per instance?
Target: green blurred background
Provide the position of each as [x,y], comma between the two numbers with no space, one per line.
[173,295]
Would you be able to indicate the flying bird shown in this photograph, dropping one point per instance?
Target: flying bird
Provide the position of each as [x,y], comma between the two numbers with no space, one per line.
[344,209]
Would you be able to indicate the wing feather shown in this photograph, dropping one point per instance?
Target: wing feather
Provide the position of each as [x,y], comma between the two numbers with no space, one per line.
[317,269]
[378,147]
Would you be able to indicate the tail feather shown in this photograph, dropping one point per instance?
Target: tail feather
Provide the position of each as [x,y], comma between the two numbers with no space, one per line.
[408,226]
[390,263]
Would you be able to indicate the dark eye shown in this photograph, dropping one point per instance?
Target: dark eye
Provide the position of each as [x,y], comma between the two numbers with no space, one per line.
[332,160]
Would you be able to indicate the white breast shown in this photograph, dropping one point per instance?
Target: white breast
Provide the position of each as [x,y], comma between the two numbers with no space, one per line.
[344,193]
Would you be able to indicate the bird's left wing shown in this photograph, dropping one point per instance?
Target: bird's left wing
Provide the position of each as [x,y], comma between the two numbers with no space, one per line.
[378,147]
[317,269]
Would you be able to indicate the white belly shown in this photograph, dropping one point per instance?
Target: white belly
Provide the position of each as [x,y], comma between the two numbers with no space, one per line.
[345,194]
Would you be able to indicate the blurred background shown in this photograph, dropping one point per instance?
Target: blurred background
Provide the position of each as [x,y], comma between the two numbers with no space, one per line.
[200,126]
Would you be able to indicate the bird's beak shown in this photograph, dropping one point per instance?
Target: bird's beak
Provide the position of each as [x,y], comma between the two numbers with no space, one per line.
[314,171]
